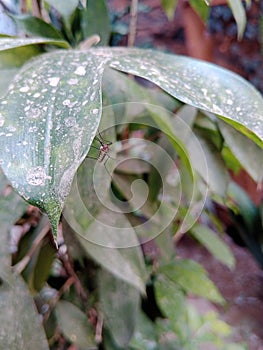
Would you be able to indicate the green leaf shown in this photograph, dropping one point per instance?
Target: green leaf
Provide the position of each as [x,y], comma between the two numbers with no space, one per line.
[214,171]
[35,26]
[126,264]
[201,7]
[214,244]
[171,301]
[11,60]
[104,232]
[95,20]
[144,337]
[120,306]
[74,325]
[11,43]
[65,8]
[239,15]
[247,152]
[46,156]
[20,324]
[192,278]
[11,209]
[169,7]
[197,83]
[49,118]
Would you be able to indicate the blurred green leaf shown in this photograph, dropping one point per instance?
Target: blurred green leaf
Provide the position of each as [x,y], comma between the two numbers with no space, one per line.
[169,7]
[104,232]
[65,8]
[214,244]
[11,209]
[20,324]
[74,325]
[35,26]
[95,20]
[239,15]
[214,172]
[144,337]
[120,306]
[11,43]
[230,160]
[201,7]
[171,301]
[246,151]
[192,278]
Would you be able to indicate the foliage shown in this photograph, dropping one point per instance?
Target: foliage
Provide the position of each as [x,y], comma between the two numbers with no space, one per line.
[116,236]
[202,9]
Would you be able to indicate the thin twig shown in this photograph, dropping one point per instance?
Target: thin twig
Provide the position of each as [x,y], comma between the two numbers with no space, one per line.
[19,267]
[133,23]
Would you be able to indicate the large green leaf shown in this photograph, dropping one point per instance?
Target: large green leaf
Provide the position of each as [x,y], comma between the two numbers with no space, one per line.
[74,325]
[52,111]
[197,83]
[49,118]
[193,279]
[104,233]
[120,306]
[20,326]
[214,244]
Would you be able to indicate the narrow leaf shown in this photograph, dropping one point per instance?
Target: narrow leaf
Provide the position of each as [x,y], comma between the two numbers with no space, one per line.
[239,15]
[214,244]
[247,152]
[10,43]
[193,279]
[120,306]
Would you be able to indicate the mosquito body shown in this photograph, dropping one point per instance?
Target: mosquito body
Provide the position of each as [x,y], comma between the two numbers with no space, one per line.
[103,150]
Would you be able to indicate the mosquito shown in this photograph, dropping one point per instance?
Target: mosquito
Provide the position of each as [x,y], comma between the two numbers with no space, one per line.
[104,150]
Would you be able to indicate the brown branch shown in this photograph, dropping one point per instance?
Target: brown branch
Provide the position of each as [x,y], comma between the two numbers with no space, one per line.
[133,23]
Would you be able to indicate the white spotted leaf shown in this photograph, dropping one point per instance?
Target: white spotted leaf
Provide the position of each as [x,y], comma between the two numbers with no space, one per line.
[51,111]
[48,120]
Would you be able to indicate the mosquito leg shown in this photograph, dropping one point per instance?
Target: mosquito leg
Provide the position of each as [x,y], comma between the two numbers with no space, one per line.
[106,166]
[102,140]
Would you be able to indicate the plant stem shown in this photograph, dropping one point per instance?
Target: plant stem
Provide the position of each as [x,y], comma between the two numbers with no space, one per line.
[133,23]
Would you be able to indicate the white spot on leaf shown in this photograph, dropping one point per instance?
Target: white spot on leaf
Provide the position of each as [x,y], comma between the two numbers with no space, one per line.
[53,81]
[81,70]
[37,176]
